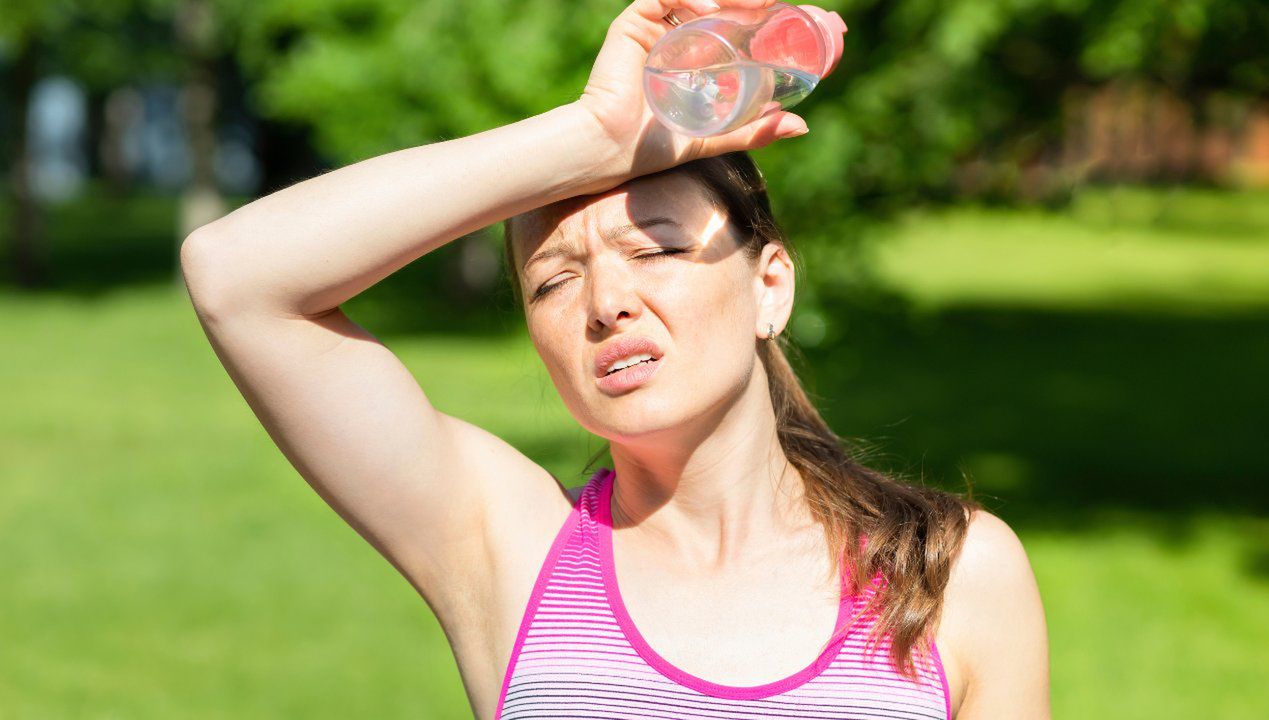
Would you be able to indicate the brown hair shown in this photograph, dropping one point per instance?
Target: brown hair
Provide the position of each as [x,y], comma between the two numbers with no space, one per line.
[913,533]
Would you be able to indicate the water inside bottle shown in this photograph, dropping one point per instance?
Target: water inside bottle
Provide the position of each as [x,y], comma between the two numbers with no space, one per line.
[719,98]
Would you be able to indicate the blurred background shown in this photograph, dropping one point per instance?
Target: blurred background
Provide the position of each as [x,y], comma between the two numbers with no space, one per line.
[1035,247]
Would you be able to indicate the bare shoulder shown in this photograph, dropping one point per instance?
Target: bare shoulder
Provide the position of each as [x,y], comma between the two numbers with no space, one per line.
[992,628]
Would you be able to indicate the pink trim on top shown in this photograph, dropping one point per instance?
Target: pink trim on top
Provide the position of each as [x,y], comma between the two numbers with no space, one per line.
[665,667]
[947,691]
[539,587]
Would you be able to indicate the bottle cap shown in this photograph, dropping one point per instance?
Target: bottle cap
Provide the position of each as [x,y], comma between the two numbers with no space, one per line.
[834,29]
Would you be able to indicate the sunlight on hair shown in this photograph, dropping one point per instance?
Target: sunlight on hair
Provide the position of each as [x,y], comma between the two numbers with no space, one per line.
[716,222]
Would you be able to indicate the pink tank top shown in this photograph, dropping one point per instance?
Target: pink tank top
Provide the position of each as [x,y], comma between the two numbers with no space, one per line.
[578,655]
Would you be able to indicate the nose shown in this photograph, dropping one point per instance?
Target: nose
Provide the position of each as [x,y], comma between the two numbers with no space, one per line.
[612,296]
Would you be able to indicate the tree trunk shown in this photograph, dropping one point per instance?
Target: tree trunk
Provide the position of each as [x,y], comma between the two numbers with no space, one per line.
[119,110]
[201,201]
[30,256]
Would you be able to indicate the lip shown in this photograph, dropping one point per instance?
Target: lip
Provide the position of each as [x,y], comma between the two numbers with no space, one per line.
[631,377]
[624,347]
[628,379]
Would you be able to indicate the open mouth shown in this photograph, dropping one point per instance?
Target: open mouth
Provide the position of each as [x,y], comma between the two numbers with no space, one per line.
[626,359]
[647,361]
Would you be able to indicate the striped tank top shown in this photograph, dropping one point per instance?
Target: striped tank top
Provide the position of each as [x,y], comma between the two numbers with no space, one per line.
[578,655]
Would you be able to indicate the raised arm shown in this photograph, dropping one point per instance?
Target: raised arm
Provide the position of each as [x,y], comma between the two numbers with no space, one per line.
[307,248]
[267,281]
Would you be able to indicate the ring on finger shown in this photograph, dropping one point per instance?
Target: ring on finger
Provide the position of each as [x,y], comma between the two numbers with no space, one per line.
[672,19]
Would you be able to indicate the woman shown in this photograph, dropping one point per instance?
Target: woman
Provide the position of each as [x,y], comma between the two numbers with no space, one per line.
[655,286]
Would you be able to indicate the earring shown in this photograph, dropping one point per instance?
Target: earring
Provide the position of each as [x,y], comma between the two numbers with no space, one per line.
[771,333]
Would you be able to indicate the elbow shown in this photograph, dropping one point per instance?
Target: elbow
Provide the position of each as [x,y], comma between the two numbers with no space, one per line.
[204,263]
[196,248]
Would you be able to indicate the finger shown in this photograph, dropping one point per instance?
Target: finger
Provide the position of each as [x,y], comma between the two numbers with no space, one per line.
[756,133]
[644,20]
[654,10]
[767,108]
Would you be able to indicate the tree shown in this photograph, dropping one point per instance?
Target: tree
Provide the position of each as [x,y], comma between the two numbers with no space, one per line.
[923,83]
[103,45]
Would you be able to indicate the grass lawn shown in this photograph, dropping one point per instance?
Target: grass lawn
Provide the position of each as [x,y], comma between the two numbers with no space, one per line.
[1184,251]
[162,559]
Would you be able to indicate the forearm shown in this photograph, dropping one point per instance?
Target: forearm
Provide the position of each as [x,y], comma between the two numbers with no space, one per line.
[309,247]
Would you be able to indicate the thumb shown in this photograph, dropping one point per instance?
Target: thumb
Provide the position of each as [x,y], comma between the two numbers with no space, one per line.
[757,133]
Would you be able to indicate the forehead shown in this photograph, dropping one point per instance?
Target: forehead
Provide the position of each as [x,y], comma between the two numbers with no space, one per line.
[673,195]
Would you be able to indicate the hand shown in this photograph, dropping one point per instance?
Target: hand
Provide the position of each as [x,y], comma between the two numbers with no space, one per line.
[614,94]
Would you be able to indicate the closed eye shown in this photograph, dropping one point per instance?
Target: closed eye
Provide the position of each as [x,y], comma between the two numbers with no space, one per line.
[660,253]
[545,289]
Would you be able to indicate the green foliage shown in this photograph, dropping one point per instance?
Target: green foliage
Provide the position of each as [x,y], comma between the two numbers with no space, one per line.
[103,43]
[378,76]
[923,83]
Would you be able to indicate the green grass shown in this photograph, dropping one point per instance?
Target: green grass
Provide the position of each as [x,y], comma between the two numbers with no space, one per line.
[161,558]
[1156,620]
[1181,252]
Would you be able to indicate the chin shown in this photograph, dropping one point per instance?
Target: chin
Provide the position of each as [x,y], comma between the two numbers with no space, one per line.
[633,416]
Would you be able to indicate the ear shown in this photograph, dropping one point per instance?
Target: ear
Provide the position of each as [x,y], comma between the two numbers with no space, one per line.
[773,289]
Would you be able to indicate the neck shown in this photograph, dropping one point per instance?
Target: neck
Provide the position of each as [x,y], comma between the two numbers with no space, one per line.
[716,495]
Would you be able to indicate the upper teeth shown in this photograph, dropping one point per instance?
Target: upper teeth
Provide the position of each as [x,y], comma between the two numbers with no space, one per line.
[620,364]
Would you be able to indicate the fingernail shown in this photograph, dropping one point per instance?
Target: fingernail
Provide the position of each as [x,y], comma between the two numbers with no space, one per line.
[713,6]
[801,131]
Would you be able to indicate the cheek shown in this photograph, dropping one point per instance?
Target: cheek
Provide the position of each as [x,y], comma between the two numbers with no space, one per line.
[560,347]
[707,298]
[710,316]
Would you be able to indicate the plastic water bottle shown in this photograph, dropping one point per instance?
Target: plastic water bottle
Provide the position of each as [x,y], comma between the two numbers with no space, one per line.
[714,73]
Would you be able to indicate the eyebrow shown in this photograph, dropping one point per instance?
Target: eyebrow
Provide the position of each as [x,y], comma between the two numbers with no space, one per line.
[608,236]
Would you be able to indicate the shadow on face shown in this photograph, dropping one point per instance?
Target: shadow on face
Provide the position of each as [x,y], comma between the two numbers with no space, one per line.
[655,257]
[645,205]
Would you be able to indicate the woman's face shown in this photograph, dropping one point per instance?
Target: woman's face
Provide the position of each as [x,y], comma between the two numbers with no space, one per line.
[654,259]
